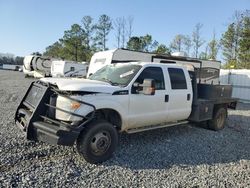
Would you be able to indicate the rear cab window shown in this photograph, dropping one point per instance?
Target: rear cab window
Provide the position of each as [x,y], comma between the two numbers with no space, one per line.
[177,78]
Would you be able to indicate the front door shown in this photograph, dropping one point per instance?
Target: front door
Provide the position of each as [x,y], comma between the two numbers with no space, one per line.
[148,109]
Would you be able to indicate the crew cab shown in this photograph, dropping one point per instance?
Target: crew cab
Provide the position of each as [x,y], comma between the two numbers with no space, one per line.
[121,97]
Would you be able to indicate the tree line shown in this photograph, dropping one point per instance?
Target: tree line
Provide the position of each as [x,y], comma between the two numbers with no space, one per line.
[82,40]
[10,59]
[235,41]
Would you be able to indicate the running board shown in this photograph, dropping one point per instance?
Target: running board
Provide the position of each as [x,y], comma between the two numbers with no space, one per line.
[148,128]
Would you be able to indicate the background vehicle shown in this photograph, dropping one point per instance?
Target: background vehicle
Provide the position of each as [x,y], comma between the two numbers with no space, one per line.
[11,67]
[37,66]
[207,70]
[61,68]
[121,97]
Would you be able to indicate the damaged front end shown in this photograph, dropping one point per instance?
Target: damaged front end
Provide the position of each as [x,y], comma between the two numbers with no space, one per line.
[35,115]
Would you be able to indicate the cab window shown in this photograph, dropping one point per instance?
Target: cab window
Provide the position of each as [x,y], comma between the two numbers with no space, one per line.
[177,78]
[152,73]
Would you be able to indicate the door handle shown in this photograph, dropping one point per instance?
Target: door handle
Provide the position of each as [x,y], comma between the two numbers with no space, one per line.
[188,97]
[166,98]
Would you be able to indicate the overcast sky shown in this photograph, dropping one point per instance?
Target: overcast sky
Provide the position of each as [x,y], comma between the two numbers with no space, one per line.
[28,25]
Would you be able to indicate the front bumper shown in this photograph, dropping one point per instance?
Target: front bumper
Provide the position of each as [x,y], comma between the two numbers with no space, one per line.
[35,116]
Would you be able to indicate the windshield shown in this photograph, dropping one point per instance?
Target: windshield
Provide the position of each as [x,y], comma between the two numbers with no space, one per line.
[116,74]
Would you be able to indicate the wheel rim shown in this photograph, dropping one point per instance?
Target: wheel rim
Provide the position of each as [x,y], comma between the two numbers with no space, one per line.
[100,143]
[220,120]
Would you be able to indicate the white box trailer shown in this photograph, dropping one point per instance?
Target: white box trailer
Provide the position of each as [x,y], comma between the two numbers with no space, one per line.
[61,68]
[240,81]
[208,71]
[11,67]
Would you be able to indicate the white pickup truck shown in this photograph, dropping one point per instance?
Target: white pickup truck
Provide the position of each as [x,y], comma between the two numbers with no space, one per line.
[121,97]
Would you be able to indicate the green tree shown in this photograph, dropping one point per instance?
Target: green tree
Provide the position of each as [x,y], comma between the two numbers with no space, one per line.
[196,39]
[142,43]
[213,48]
[232,39]
[36,53]
[244,43]
[162,49]
[187,44]
[237,22]
[204,54]
[148,44]
[178,43]
[88,28]
[135,43]
[19,60]
[55,50]
[103,27]
[74,43]
[228,44]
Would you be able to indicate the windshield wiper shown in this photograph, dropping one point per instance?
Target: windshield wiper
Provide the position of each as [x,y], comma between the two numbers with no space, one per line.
[109,81]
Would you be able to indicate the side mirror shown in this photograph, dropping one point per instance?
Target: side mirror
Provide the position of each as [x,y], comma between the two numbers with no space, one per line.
[148,87]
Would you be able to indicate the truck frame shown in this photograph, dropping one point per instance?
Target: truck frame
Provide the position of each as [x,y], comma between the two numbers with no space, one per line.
[96,132]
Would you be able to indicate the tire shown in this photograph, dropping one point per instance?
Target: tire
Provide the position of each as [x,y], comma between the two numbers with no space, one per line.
[97,142]
[219,119]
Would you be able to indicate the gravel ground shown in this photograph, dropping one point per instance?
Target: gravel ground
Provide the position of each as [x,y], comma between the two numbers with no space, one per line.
[181,156]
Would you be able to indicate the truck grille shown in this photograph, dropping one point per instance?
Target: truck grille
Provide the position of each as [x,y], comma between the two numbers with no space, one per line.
[34,95]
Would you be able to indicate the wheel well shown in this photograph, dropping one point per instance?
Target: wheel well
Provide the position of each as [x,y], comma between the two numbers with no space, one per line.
[109,115]
[218,106]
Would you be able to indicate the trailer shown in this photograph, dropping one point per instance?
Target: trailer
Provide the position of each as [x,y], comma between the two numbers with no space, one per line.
[11,67]
[61,68]
[208,71]
[37,66]
[240,81]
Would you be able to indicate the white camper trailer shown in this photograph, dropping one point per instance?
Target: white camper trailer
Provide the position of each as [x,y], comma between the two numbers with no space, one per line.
[207,71]
[27,70]
[37,66]
[61,68]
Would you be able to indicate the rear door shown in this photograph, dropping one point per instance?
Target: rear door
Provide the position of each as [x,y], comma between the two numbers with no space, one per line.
[148,109]
[179,93]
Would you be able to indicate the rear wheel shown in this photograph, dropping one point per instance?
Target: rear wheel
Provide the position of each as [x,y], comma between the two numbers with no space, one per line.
[97,142]
[219,119]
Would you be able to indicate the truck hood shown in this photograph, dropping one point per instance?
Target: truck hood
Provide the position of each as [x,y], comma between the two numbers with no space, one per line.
[79,84]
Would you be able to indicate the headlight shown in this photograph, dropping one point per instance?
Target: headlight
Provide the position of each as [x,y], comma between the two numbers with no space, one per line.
[67,105]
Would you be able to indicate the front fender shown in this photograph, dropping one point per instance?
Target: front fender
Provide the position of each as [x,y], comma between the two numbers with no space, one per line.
[112,102]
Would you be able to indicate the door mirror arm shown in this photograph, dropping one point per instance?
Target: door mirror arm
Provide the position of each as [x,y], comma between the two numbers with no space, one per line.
[136,88]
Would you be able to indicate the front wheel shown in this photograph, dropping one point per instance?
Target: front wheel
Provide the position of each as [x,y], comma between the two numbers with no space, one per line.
[97,142]
[219,119]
